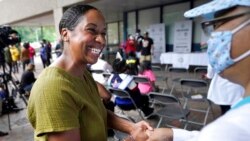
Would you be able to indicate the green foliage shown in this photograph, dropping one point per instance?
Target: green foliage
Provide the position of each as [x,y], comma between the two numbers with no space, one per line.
[36,34]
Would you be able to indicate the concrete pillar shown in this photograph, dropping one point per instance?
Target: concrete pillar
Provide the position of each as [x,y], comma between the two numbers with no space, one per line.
[57,13]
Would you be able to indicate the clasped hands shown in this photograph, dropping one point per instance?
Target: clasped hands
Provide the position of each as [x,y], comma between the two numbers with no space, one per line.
[142,131]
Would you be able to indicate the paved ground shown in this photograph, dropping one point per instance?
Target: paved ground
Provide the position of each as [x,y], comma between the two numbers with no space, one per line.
[22,131]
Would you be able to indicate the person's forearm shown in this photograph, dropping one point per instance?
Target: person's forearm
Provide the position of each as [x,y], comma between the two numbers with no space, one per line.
[119,123]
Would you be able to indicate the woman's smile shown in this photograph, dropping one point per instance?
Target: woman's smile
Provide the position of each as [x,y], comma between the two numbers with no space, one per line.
[94,52]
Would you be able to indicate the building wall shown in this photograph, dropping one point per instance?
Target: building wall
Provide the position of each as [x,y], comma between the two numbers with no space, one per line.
[15,10]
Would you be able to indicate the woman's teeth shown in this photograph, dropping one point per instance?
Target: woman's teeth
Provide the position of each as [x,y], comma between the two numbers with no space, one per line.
[95,51]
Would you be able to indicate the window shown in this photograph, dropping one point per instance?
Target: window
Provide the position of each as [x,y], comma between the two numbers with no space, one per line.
[131,23]
[113,32]
[148,17]
[172,14]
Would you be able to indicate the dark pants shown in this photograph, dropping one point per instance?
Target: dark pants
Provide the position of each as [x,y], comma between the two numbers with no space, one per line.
[10,67]
[25,63]
[15,67]
[224,108]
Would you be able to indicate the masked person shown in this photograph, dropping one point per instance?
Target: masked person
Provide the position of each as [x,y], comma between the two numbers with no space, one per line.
[229,55]
[64,103]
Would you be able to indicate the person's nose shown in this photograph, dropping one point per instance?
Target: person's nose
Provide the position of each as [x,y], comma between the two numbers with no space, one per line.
[100,39]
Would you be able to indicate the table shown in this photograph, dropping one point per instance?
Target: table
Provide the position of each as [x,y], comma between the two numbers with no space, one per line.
[184,60]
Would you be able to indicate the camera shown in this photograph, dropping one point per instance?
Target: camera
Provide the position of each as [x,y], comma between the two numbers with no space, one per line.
[8,36]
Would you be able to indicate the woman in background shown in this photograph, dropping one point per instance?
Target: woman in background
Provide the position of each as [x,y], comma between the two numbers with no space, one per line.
[146,71]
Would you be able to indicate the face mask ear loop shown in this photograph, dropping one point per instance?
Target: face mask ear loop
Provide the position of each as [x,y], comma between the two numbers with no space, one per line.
[241,26]
[236,30]
[242,56]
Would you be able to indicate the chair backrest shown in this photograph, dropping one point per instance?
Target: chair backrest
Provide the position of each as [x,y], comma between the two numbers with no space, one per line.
[175,74]
[200,70]
[141,79]
[159,72]
[124,94]
[177,70]
[194,83]
[163,98]
[106,75]
[120,93]
[196,89]
[96,71]
[156,68]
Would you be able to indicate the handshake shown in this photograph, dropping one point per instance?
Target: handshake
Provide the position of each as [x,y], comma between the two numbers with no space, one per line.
[147,133]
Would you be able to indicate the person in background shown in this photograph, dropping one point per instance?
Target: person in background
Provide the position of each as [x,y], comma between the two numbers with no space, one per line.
[15,56]
[147,48]
[27,79]
[2,97]
[119,75]
[8,58]
[49,52]
[58,49]
[2,59]
[32,54]
[43,55]
[146,71]
[132,63]
[121,50]
[138,38]
[130,45]
[101,65]
[223,92]
[47,46]
[229,55]
[19,48]
[25,55]
[64,103]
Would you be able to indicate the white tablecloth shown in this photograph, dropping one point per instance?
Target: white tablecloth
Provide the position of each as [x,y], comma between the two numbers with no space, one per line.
[184,60]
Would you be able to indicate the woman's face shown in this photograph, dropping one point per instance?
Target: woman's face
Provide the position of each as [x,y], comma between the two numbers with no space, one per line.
[87,40]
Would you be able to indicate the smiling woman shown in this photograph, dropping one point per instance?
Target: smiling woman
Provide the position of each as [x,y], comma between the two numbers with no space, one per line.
[64,103]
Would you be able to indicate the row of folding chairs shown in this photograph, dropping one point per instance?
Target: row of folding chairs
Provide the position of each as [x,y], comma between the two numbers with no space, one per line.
[168,74]
[172,107]
[193,90]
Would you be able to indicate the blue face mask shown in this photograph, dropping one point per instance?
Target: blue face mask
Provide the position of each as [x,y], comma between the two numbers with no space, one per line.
[219,46]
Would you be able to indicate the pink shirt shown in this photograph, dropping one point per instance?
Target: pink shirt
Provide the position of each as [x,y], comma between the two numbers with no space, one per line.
[32,52]
[144,87]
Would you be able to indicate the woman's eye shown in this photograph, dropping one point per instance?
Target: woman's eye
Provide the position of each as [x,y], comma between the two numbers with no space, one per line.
[93,31]
[104,34]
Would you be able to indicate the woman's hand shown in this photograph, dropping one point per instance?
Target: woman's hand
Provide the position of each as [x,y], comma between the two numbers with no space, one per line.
[144,125]
[138,132]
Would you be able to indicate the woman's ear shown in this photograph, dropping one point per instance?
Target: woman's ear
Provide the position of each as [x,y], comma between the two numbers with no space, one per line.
[64,35]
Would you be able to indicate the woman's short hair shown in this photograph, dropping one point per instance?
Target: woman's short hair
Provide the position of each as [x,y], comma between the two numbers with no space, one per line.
[119,66]
[73,15]
[26,45]
[30,67]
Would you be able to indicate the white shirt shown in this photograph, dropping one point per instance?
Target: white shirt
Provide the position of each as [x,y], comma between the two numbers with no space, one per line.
[233,126]
[221,91]
[101,65]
